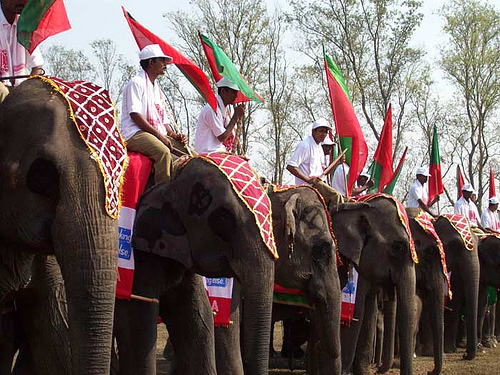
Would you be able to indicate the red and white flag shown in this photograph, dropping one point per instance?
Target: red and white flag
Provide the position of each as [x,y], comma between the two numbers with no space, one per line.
[349,298]
[220,292]
[135,179]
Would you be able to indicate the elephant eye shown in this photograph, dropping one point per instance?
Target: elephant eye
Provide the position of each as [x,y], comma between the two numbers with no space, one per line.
[322,252]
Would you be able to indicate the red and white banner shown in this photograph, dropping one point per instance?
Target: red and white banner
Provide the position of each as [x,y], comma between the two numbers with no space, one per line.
[220,292]
[349,298]
[135,179]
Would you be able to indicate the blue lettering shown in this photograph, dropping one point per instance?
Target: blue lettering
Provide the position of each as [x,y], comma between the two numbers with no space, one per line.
[125,238]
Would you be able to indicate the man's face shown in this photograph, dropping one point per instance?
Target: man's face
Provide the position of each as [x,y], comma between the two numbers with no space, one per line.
[159,65]
[228,95]
[13,6]
[319,134]
[493,207]
[422,178]
[362,180]
[466,194]
[327,149]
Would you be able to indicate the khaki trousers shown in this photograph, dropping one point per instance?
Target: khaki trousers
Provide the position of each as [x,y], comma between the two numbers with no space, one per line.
[331,196]
[147,144]
[4,91]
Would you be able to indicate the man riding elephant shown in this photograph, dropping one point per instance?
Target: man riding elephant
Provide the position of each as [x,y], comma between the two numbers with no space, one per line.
[144,122]
[15,59]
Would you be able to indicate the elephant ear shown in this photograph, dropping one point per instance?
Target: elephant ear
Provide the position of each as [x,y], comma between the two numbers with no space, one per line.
[290,221]
[350,223]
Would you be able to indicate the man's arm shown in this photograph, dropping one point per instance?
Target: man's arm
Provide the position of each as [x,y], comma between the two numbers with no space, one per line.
[144,125]
[297,173]
[424,207]
[239,111]
[37,70]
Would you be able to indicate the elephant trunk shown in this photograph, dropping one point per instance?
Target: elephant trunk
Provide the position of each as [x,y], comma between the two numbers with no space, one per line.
[258,283]
[470,272]
[406,307]
[435,303]
[327,318]
[86,247]
[389,328]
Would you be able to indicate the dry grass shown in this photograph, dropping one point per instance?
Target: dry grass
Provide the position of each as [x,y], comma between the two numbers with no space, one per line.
[485,363]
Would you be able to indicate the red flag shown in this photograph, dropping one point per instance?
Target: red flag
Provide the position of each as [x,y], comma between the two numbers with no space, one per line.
[435,180]
[460,182]
[492,184]
[382,169]
[39,20]
[392,183]
[191,71]
[346,123]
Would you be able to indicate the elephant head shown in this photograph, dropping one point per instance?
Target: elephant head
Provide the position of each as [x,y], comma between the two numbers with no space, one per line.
[429,278]
[308,262]
[52,201]
[373,237]
[199,221]
[463,263]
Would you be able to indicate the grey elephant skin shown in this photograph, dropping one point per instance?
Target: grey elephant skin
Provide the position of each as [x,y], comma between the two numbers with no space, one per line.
[52,202]
[372,237]
[307,262]
[489,263]
[464,267]
[430,287]
[198,224]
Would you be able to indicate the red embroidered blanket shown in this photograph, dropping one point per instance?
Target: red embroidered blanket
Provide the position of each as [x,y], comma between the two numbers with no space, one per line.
[461,225]
[246,185]
[424,220]
[403,217]
[93,114]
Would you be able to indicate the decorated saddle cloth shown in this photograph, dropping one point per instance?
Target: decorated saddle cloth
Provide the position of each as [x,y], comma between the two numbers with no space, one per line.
[424,220]
[462,226]
[93,114]
[403,217]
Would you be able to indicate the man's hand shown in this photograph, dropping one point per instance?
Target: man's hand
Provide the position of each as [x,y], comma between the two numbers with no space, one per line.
[182,138]
[165,141]
[239,111]
[313,180]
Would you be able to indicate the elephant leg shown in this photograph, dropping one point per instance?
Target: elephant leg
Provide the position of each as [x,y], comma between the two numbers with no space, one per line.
[42,308]
[406,295]
[135,323]
[389,310]
[364,348]
[349,335]
[189,320]
[470,270]
[227,340]
[482,307]
[433,303]
[379,334]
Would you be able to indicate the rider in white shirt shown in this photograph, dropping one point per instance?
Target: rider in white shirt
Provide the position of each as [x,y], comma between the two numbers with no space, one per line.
[466,207]
[489,218]
[418,195]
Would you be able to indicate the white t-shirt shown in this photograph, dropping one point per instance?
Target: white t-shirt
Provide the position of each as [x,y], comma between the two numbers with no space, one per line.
[339,180]
[140,95]
[211,125]
[15,60]
[467,209]
[417,191]
[309,158]
[490,220]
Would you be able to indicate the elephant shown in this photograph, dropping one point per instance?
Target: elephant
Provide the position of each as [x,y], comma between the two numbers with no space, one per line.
[196,224]
[306,262]
[372,237]
[464,267]
[489,264]
[52,201]
[430,285]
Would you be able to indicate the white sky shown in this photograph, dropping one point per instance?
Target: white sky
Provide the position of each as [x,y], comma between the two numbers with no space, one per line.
[97,19]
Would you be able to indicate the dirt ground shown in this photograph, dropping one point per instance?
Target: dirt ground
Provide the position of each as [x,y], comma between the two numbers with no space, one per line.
[485,363]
